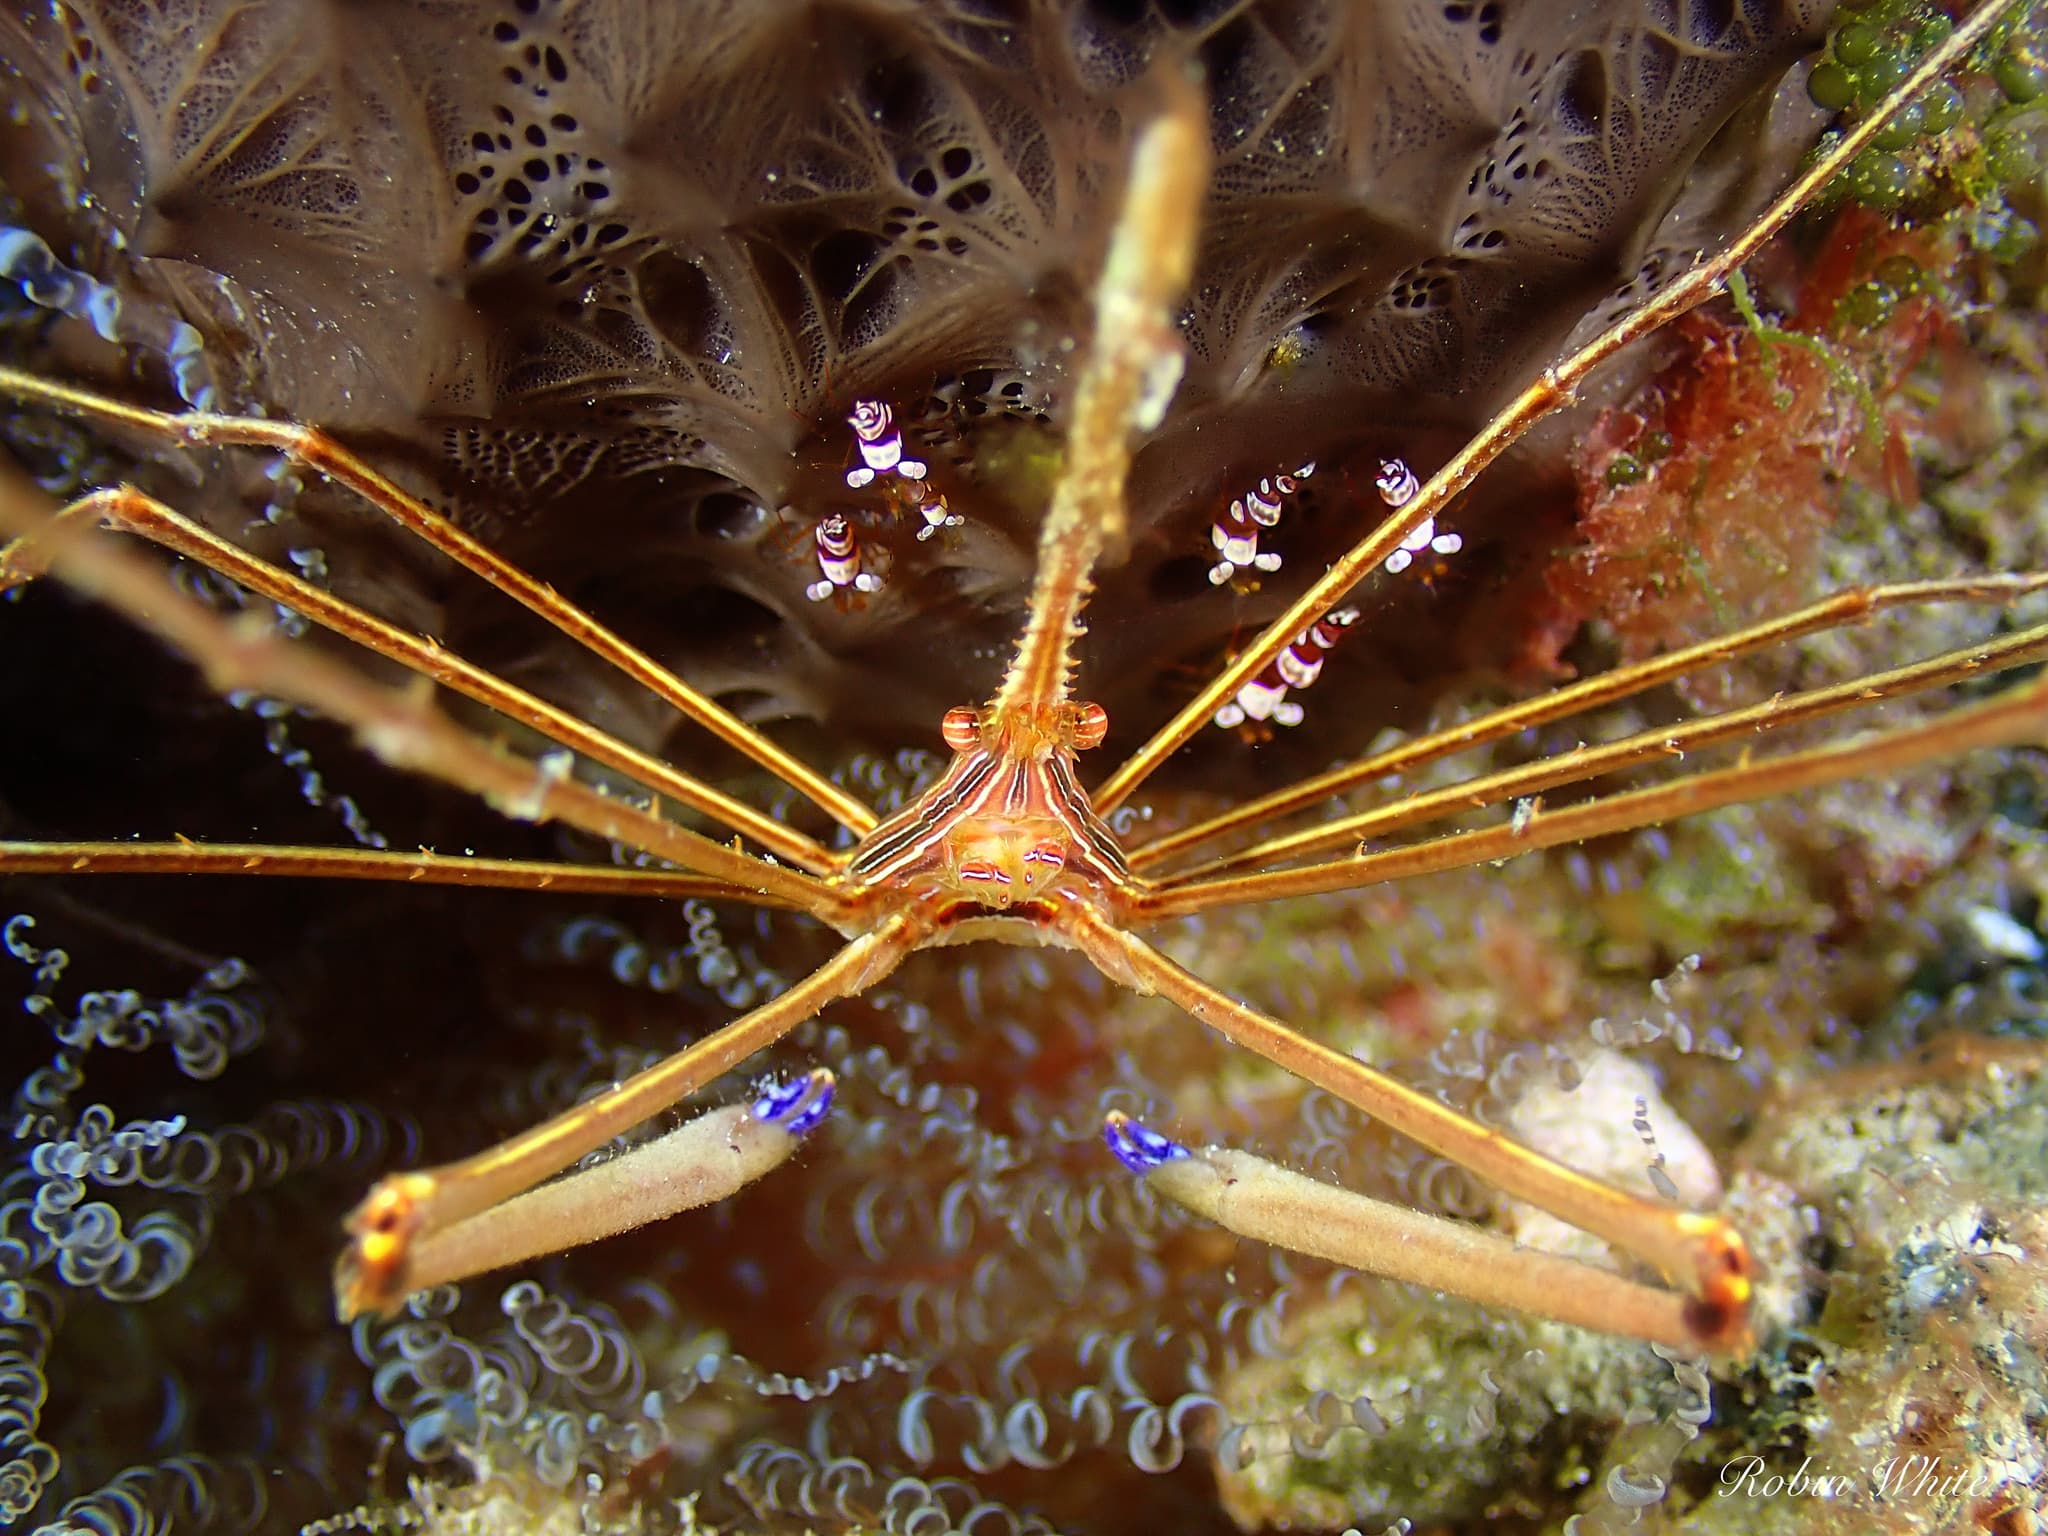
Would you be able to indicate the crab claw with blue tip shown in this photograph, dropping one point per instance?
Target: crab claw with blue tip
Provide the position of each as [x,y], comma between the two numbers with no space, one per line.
[1138,1147]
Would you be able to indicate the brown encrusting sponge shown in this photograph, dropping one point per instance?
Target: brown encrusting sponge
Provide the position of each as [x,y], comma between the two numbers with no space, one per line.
[608,279]
[753,329]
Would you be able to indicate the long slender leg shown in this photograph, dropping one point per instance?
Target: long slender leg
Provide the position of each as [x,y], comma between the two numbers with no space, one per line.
[1855,606]
[1582,763]
[421,868]
[317,451]
[2018,716]
[701,1161]
[130,510]
[373,1273]
[1704,1254]
[1259,1199]
[402,728]
[1552,390]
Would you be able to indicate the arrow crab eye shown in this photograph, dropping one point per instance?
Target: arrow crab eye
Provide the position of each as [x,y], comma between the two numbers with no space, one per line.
[961,728]
[1090,726]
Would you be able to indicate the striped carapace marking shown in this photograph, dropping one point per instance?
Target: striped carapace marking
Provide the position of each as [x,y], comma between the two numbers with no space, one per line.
[1003,821]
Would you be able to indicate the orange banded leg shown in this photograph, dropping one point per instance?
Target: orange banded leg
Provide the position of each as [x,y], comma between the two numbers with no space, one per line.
[1665,742]
[130,510]
[401,727]
[1259,1199]
[2013,718]
[315,450]
[1857,606]
[698,1163]
[422,868]
[406,1212]
[1701,1253]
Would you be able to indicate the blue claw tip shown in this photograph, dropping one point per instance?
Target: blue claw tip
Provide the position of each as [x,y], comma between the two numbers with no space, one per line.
[796,1106]
[1137,1148]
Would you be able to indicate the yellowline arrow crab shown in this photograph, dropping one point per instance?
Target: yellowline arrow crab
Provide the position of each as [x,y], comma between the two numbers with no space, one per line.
[1008,844]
